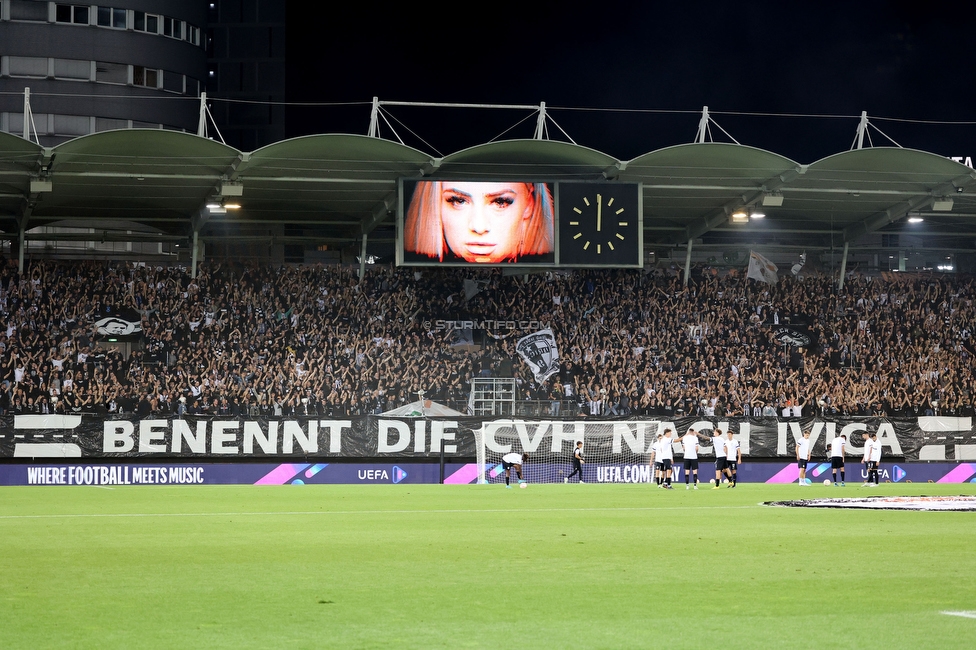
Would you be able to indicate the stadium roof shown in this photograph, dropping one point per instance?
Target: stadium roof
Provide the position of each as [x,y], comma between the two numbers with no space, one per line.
[335,188]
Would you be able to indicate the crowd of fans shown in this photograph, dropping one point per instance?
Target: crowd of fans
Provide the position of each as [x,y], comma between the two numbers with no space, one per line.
[262,341]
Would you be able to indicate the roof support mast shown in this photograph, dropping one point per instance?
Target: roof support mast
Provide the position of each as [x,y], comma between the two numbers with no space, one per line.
[702,126]
[862,128]
[26,113]
[29,118]
[202,121]
[540,123]
[374,119]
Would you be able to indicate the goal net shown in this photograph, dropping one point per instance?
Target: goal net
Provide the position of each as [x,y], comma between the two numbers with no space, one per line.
[614,452]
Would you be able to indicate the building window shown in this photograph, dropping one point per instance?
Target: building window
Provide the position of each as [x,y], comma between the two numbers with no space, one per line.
[27,66]
[111,73]
[144,22]
[173,82]
[77,14]
[167,26]
[110,124]
[72,69]
[72,125]
[38,123]
[148,77]
[111,17]
[27,10]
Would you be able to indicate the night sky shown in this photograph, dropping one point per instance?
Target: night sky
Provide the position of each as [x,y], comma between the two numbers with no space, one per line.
[898,59]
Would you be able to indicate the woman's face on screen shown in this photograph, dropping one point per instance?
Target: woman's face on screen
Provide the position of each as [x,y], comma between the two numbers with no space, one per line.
[483,221]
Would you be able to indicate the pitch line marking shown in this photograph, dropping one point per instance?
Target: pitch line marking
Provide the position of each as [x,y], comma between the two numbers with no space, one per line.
[970,614]
[299,513]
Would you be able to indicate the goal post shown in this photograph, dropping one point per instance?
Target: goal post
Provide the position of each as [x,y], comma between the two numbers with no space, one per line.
[614,451]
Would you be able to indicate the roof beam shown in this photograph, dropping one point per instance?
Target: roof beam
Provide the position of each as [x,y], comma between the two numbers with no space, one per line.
[612,172]
[720,216]
[431,166]
[896,212]
[379,213]
[239,166]
[212,178]
[286,239]
[106,236]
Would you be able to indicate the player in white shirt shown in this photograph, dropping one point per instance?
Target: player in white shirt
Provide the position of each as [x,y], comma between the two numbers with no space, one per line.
[867,454]
[666,454]
[872,458]
[718,446]
[510,460]
[803,452]
[733,456]
[838,448]
[655,460]
[689,446]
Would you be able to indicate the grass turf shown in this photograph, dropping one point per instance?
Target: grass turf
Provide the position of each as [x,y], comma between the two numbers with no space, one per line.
[596,566]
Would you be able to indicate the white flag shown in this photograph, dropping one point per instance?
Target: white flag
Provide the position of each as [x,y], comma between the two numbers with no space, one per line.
[762,269]
[471,289]
[540,351]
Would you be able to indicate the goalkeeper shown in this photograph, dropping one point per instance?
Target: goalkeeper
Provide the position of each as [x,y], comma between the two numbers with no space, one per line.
[578,461]
[515,460]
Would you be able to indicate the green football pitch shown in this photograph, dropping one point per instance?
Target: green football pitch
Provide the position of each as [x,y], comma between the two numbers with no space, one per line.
[429,566]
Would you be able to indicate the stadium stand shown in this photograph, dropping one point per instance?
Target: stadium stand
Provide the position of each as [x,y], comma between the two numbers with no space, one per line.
[311,340]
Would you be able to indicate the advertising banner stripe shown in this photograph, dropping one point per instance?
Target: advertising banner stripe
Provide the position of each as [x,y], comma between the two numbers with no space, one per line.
[788,474]
[960,474]
[467,474]
[281,474]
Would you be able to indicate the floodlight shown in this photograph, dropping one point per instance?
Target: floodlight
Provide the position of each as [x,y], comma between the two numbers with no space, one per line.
[757,214]
[942,205]
[232,188]
[740,216]
[772,199]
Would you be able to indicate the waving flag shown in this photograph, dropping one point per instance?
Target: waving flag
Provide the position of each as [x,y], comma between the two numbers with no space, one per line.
[762,269]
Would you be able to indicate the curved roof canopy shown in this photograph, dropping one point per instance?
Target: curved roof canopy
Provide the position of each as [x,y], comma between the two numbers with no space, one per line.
[335,188]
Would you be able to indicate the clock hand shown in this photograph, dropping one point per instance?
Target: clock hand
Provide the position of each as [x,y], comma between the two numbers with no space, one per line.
[599,215]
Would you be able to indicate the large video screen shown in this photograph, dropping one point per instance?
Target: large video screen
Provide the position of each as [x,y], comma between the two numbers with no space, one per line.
[478,222]
[497,223]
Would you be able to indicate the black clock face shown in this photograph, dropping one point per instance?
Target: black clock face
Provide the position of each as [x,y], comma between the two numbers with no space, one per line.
[599,224]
